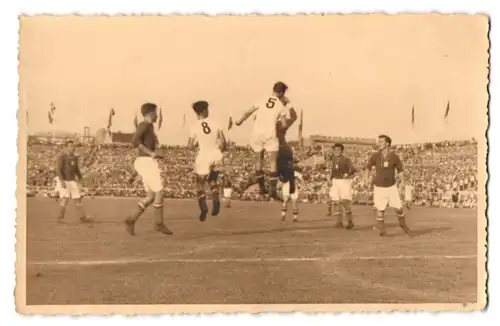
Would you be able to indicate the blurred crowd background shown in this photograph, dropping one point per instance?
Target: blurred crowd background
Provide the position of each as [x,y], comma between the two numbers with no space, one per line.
[443,174]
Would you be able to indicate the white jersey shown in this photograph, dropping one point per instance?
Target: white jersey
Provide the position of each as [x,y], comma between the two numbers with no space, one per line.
[268,112]
[206,132]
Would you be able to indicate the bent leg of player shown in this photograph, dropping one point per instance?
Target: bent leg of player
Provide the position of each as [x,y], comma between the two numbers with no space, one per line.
[228,193]
[346,199]
[64,196]
[337,209]
[142,205]
[330,207]
[75,194]
[202,171]
[286,197]
[214,188]
[294,196]
[149,171]
[395,202]
[259,171]
[272,147]
[380,201]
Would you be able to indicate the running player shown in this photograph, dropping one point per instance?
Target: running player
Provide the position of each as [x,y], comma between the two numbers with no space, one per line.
[341,186]
[385,192]
[211,141]
[146,166]
[68,182]
[267,114]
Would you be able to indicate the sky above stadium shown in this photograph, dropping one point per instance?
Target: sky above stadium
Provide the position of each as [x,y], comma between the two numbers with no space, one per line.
[356,75]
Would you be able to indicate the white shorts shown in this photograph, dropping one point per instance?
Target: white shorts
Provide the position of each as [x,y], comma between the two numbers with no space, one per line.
[286,192]
[71,191]
[205,160]
[150,173]
[269,144]
[386,196]
[228,192]
[341,189]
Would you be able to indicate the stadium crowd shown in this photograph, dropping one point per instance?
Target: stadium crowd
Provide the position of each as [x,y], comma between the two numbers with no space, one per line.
[442,174]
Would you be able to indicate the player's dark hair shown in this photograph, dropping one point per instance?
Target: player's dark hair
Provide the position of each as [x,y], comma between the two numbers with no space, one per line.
[200,106]
[338,145]
[280,87]
[387,139]
[148,108]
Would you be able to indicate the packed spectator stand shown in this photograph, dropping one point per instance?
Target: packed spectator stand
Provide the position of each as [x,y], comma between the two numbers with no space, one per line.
[443,174]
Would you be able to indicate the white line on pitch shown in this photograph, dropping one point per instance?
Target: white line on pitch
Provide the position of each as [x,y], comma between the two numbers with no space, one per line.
[236,260]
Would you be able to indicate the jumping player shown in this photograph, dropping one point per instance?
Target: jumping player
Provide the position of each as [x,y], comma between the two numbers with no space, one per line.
[341,187]
[146,166]
[385,192]
[286,168]
[267,114]
[211,141]
[68,179]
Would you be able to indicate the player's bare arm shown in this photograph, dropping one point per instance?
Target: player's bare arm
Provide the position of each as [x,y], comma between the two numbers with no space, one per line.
[399,170]
[246,115]
[290,118]
[221,138]
[192,143]
[59,168]
[78,173]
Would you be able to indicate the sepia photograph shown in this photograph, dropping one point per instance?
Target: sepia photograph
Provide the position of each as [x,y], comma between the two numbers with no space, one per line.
[314,163]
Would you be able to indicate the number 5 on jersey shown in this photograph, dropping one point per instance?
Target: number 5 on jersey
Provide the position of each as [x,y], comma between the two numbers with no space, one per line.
[206,128]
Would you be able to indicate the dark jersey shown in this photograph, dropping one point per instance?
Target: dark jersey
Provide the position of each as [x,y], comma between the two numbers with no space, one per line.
[285,163]
[67,167]
[340,166]
[145,135]
[385,168]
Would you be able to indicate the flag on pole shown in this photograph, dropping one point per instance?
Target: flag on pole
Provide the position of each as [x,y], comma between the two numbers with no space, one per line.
[52,112]
[136,121]
[301,122]
[110,117]
[160,119]
[184,121]
[413,116]
[230,125]
[447,110]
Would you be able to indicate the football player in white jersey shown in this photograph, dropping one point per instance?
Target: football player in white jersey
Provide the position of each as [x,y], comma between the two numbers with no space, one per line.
[209,137]
[268,112]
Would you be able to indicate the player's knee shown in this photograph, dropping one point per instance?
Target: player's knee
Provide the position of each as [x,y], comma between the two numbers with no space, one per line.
[63,201]
[400,213]
[159,198]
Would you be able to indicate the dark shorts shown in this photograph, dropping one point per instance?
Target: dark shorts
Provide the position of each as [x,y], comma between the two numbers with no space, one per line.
[286,171]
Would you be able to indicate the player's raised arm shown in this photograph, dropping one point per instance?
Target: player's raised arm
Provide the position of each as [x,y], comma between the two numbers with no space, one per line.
[246,115]
[221,139]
